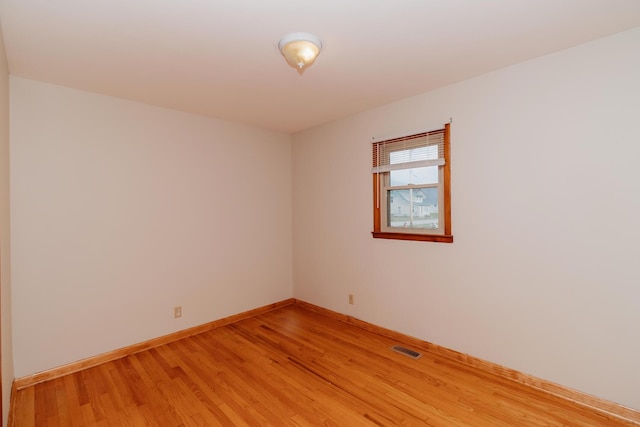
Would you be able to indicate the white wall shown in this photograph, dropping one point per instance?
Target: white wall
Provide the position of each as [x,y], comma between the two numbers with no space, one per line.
[543,274]
[121,211]
[5,246]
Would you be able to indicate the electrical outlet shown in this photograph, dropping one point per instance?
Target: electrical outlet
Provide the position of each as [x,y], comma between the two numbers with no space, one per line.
[350,298]
[177,312]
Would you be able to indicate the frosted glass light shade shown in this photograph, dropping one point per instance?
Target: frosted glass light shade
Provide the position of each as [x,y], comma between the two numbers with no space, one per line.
[300,50]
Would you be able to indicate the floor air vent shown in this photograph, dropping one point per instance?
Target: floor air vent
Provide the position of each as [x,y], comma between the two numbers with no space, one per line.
[411,353]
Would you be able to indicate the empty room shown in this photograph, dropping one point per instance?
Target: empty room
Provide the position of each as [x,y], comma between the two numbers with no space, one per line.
[336,213]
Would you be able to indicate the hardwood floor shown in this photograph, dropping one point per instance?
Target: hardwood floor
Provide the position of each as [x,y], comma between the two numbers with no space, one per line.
[291,367]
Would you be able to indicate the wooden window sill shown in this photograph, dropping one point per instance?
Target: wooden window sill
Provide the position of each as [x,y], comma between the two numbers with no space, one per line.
[442,238]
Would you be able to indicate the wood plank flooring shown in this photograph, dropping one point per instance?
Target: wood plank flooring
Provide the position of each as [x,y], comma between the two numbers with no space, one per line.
[290,367]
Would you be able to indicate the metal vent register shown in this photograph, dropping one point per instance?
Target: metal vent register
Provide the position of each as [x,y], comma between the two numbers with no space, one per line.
[406,351]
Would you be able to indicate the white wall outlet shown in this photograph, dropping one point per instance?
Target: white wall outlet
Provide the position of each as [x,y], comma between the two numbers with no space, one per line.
[177,312]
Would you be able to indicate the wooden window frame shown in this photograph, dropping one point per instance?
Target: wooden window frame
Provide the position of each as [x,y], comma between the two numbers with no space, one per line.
[446,236]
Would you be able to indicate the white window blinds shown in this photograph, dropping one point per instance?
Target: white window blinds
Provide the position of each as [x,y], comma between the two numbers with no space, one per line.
[412,151]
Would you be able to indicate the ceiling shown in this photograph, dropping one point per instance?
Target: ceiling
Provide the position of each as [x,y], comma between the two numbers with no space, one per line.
[220,58]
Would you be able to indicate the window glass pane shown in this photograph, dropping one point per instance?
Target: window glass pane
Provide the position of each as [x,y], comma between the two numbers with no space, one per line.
[413,208]
[429,152]
[415,176]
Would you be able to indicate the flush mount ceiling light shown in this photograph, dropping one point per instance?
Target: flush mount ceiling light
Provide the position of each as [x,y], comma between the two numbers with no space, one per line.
[300,50]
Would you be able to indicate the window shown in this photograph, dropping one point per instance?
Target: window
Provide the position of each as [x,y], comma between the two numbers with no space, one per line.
[411,187]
